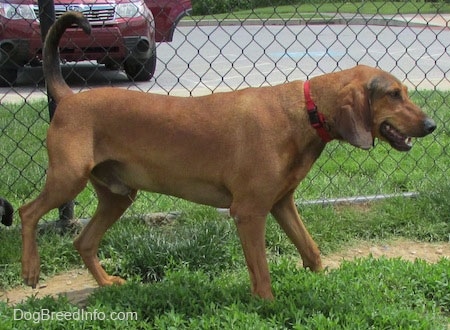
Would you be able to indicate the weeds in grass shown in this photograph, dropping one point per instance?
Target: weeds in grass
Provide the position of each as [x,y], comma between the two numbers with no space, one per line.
[191,274]
[368,294]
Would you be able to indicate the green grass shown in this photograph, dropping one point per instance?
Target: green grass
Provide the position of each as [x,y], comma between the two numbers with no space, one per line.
[194,299]
[364,294]
[191,274]
[328,10]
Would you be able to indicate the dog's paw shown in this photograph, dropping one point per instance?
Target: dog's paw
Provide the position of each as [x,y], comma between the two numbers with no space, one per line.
[31,268]
[6,212]
[30,278]
[113,280]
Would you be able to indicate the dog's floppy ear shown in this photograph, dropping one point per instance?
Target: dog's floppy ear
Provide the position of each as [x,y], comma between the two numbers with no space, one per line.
[354,118]
[6,212]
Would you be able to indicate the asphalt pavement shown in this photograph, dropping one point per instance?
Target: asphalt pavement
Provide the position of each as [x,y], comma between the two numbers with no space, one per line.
[226,67]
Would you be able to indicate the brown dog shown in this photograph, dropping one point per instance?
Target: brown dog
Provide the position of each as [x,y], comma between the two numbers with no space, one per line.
[246,150]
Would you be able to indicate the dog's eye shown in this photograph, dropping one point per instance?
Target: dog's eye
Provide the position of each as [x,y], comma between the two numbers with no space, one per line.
[395,94]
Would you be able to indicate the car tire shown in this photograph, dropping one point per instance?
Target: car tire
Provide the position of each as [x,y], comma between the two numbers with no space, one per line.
[8,77]
[141,71]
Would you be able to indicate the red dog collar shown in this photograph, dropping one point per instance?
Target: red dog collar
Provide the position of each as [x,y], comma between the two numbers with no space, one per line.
[316,118]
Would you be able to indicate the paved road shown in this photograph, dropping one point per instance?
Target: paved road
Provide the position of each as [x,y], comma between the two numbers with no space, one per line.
[205,58]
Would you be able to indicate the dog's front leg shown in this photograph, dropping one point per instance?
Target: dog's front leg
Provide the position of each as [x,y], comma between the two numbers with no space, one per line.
[251,230]
[285,212]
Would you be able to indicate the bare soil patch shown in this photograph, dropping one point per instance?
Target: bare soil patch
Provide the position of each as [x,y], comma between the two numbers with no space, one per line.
[78,284]
[404,249]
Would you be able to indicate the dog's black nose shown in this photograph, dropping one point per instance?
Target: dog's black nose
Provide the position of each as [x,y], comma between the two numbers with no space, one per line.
[429,125]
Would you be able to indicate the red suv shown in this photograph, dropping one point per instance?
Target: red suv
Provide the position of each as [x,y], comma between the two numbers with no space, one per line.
[124,33]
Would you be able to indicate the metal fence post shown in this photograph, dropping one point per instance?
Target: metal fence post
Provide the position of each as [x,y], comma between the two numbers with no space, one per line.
[47,18]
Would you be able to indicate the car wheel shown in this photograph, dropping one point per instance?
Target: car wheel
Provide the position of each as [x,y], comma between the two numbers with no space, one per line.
[141,71]
[111,65]
[7,77]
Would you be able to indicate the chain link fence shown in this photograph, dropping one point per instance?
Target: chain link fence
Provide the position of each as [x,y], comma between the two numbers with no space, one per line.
[229,45]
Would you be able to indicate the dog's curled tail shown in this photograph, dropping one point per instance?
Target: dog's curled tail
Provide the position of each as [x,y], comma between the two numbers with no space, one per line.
[56,84]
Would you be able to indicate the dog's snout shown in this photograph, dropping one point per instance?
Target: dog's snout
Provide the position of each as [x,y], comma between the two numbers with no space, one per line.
[429,125]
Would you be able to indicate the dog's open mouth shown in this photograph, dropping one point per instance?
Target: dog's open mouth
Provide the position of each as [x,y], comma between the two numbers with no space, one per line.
[396,139]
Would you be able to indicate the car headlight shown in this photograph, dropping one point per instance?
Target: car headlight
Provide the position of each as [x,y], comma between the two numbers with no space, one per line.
[13,11]
[130,9]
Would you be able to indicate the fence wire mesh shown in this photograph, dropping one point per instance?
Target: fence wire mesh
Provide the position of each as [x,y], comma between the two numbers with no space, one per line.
[229,45]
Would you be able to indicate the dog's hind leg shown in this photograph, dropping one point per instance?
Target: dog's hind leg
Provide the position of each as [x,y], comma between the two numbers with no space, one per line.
[60,187]
[110,207]
[288,218]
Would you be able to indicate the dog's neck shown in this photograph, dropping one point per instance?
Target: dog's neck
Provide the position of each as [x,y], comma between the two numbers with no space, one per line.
[316,118]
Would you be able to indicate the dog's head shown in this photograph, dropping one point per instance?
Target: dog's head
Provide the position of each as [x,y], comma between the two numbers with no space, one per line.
[6,212]
[381,108]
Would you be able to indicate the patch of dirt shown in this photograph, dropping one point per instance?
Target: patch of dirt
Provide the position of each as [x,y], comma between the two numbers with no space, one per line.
[78,284]
[405,249]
